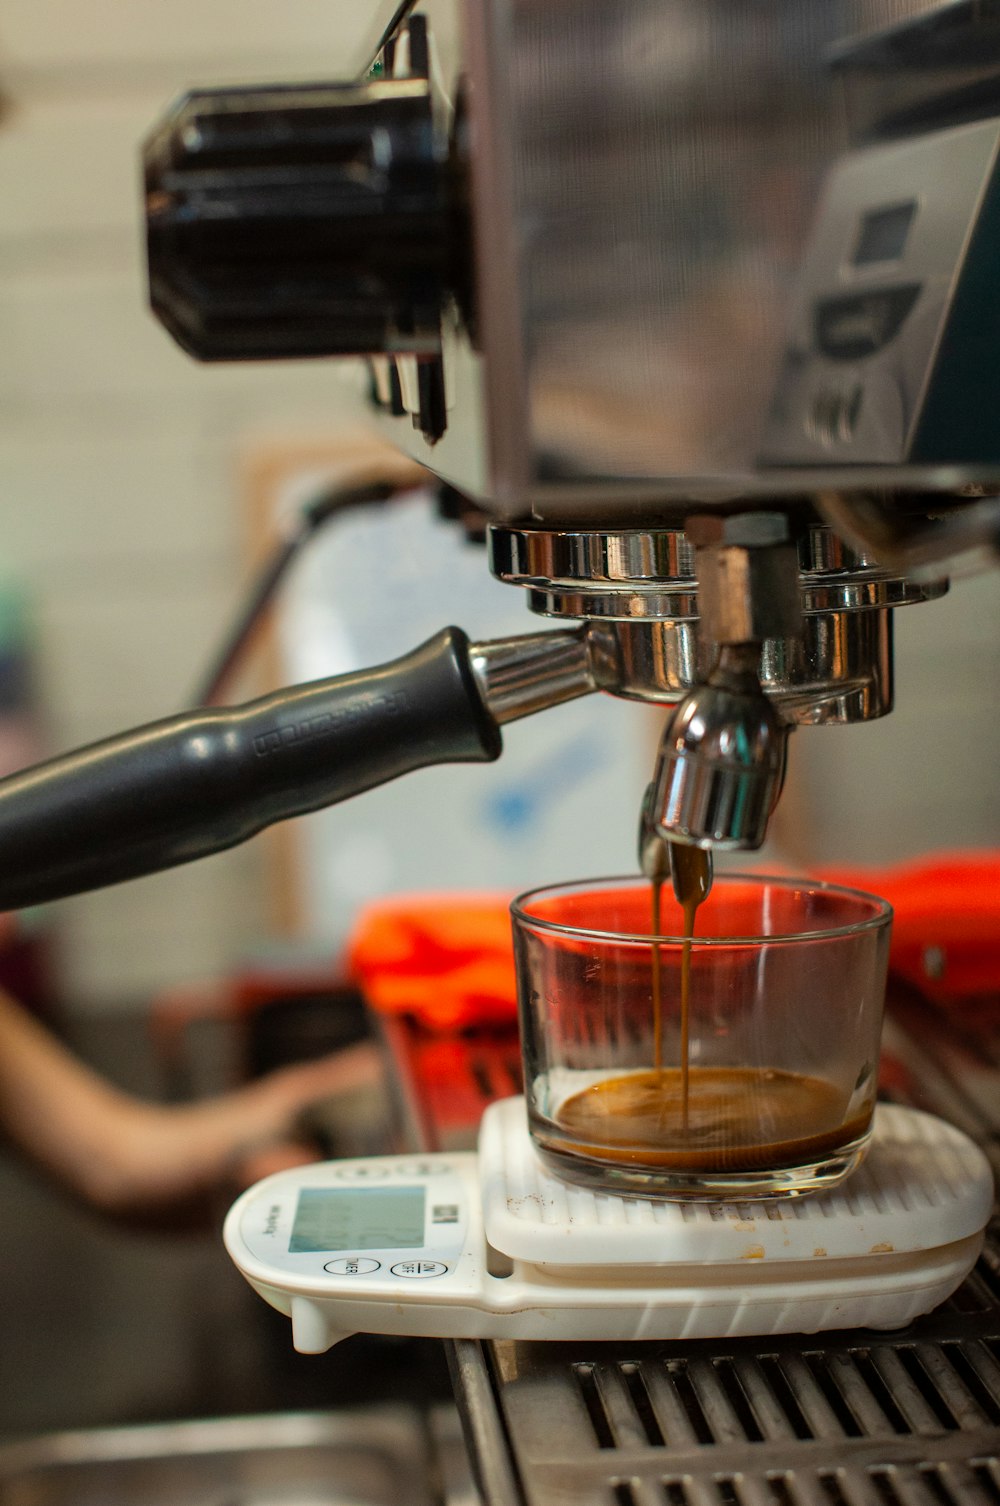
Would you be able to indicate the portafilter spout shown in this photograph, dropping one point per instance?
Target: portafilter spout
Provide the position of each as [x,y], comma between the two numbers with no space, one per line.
[721,759]
[745,623]
[660,859]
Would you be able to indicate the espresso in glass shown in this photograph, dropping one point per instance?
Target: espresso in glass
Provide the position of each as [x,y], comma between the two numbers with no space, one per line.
[717,1049]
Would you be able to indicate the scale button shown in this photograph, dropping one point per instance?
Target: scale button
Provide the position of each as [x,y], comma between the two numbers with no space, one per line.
[422,1168]
[420,1269]
[366,1173]
[357,1267]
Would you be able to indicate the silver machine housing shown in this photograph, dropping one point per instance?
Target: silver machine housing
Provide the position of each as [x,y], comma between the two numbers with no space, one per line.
[721,251]
[731,261]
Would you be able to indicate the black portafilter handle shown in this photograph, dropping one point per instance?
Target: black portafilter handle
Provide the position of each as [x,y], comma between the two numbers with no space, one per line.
[201,782]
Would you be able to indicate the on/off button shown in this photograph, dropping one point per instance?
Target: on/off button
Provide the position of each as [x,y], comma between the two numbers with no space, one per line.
[419,1269]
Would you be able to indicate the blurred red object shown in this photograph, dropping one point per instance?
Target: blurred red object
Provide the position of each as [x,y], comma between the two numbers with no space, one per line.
[946,921]
[446,960]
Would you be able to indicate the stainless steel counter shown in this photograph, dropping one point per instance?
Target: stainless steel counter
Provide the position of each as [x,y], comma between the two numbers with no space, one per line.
[846,1419]
[391,1455]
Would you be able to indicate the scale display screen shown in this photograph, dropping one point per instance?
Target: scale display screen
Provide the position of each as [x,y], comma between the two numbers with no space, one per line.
[358,1218]
[883,234]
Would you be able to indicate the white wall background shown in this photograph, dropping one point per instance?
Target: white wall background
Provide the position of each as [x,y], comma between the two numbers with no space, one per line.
[118,455]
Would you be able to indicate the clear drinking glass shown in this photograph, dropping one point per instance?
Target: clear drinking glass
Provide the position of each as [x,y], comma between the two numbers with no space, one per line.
[753,1076]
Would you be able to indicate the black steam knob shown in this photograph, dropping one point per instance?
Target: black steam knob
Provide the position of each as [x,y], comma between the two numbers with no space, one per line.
[302,221]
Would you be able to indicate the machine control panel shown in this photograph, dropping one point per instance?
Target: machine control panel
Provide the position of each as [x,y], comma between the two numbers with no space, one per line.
[891,356]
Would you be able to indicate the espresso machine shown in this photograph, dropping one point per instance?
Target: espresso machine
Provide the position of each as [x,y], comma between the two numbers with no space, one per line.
[718,374]
[696,305]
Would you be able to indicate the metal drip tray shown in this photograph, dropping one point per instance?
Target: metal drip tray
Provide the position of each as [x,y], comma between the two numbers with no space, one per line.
[371,1457]
[851,1419]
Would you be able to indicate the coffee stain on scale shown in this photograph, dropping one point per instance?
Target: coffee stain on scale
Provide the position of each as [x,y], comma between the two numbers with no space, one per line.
[516,1205]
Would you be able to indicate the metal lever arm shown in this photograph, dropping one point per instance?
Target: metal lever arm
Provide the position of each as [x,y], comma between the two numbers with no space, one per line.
[204,781]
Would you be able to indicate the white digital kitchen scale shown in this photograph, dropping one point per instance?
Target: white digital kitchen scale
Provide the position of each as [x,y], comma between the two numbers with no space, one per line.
[492,1245]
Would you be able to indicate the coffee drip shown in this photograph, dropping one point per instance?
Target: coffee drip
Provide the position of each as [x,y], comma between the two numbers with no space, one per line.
[691,872]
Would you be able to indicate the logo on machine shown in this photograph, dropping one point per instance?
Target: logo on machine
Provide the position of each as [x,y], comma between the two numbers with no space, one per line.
[271,1222]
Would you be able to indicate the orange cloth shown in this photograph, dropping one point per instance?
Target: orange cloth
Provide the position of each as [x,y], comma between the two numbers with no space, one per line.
[448,960]
[946,921]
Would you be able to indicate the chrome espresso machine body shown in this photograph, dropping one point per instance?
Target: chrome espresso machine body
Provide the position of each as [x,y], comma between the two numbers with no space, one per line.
[694,301]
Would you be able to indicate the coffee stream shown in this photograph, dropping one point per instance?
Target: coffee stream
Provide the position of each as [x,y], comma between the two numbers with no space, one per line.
[692,879]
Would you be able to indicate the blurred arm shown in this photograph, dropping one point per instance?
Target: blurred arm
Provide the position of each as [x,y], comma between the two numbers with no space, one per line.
[150,1163]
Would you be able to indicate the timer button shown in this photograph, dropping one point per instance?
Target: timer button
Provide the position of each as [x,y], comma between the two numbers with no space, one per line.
[419,1269]
[358,1267]
[369,1173]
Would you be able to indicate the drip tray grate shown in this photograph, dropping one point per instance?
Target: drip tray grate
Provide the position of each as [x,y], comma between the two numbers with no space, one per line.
[854,1419]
